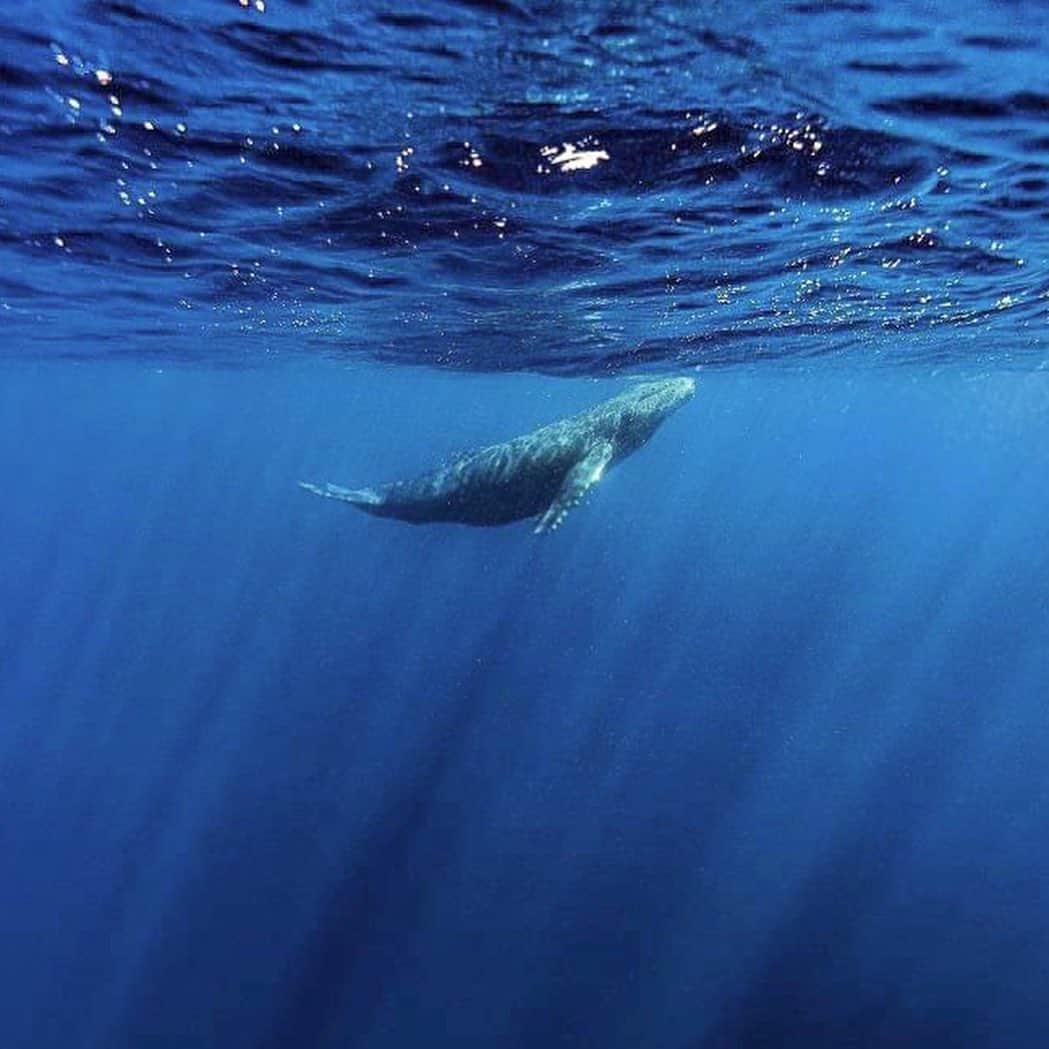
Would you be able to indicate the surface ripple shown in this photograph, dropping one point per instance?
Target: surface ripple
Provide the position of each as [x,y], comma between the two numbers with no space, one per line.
[480,184]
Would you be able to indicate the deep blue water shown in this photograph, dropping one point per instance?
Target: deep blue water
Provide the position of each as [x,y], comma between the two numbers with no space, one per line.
[751,753]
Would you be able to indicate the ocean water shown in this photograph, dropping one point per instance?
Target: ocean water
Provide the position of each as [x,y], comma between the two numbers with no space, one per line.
[751,752]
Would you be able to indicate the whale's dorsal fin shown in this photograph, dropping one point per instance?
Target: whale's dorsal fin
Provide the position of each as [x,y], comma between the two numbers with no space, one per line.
[578,481]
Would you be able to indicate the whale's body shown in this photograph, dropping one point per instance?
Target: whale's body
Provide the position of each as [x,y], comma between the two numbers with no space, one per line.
[540,474]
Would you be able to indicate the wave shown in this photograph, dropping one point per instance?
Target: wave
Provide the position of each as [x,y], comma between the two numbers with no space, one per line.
[485,185]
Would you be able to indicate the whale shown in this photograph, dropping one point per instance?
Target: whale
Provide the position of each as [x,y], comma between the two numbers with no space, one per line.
[540,475]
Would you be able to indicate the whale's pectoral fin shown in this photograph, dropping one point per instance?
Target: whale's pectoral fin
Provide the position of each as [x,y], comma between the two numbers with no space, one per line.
[578,481]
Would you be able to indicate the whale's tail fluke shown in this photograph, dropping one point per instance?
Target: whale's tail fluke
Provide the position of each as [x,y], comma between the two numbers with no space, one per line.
[364,498]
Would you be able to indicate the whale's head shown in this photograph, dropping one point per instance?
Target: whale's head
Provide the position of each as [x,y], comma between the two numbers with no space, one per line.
[644,407]
[665,395]
[654,401]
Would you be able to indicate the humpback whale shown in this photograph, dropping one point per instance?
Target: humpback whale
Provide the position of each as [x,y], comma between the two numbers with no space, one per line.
[542,474]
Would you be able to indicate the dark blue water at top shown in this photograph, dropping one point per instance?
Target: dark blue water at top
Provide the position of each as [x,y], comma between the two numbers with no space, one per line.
[751,753]
[575,187]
